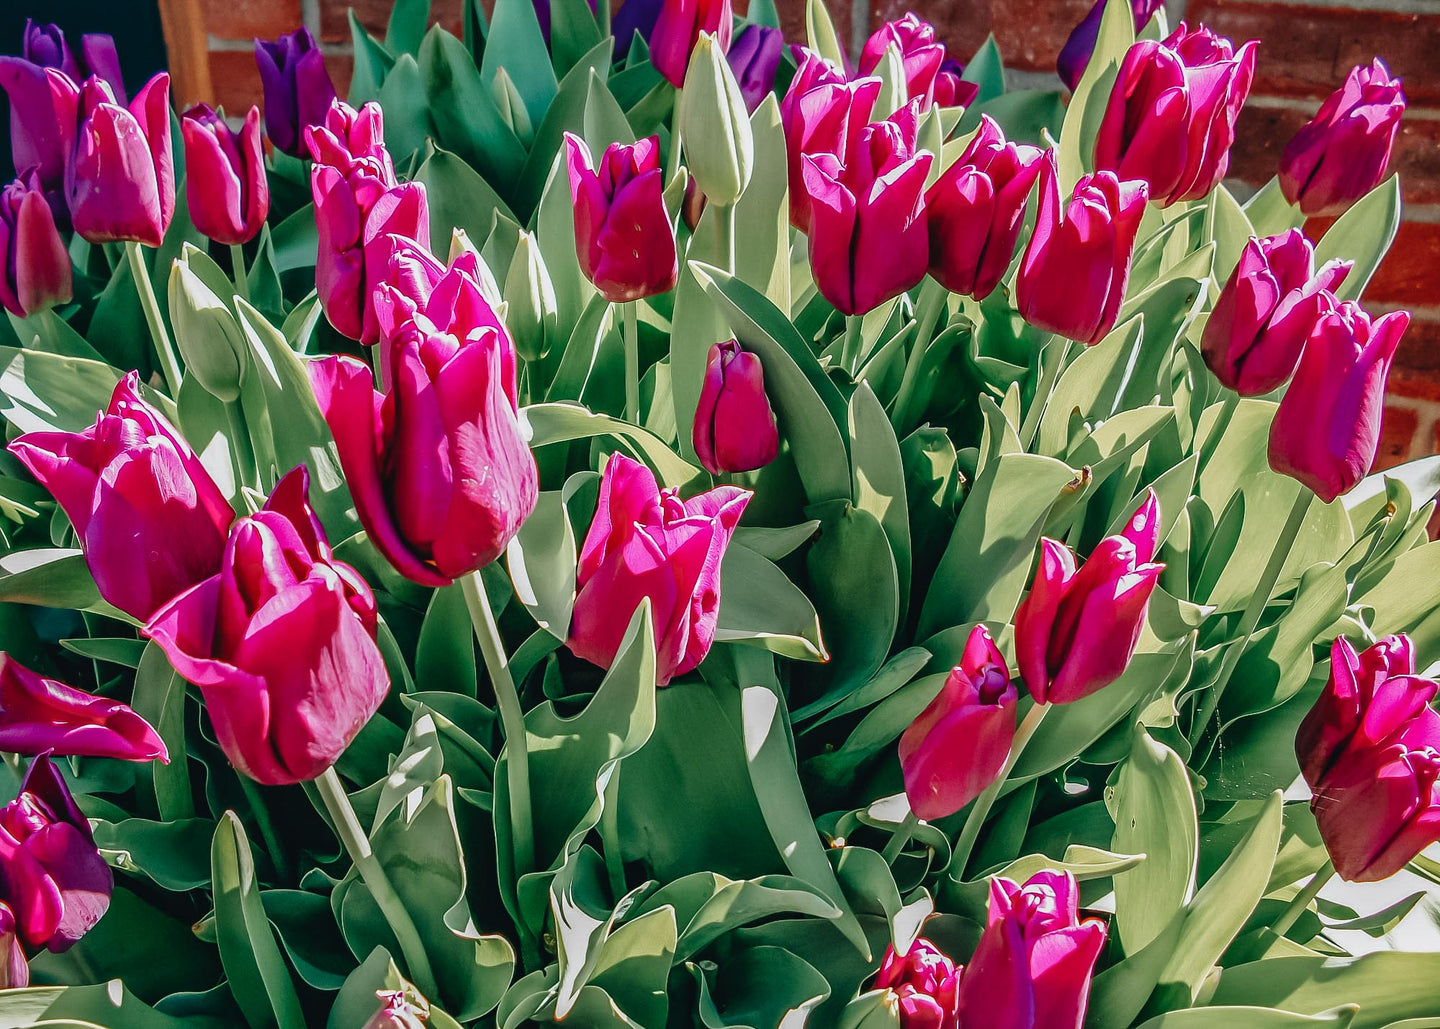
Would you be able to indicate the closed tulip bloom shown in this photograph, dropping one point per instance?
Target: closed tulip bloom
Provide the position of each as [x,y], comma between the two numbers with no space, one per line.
[1072,278]
[1342,153]
[14,969]
[1262,317]
[647,542]
[297,88]
[150,519]
[39,715]
[821,113]
[925,982]
[225,181]
[678,28]
[440,472]
[755,58]
[1328,425]
[1032,967]
[868,238]
[119,167]
[623,236]
[36,264]
[51,875]
[735,427]
[975,210]
[1075,54]
[1170,120]
[281,642]
[950,89]
[920,54]
[958,745]
[1076,632]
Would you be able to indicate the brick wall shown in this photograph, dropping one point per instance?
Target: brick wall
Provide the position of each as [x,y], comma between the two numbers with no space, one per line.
[1306,50]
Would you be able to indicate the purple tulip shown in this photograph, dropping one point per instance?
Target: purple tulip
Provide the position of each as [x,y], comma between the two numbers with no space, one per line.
[225,181]
[920,54]
[297,88]
[734,427]
[1075,54]
[45,46]
[150,519]
[647,542]
[1328,424]
[975,211]
[924,982]
[678,28]
[959,743]
[1076,632]
[1072,278]
[821,113]
[755,58]
[1341,154]
[39,715]
[281,642]
[542,15]
[1268,307]
[35,270]
[634,16]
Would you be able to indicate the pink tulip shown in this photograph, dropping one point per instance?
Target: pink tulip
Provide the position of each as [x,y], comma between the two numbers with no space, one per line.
[924,982]
[647,542]
[821,113]
[950,89]
[678,29]
[1268,307]
[1076,632]
[35,270]
[959,744]
[225,183]
[734,427]
[39,715]
[920,54]
[14,969]
[1328,425]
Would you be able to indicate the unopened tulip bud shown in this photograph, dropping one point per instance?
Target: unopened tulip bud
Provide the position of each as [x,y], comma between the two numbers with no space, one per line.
[755,58]
[225,183]
[209,338]
[678,29]
[297,87]
[532,315]
[919,55]
[734,428]
[924,985]
[715,125]
[399,1009]
[35,270]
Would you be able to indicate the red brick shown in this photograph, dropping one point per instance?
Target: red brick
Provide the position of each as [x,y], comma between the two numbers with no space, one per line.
[1029,33]
[340,67]
[375,15]
[792,19]
[235,79]
[244,19]
[1416,371]
[1307,51]
[1410,273]
[1397,432]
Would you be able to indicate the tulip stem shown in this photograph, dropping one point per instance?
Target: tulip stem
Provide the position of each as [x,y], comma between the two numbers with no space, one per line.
[372,873]
[237,265]
[900,837]
[927,309]
[853,341]
[672,166]
[247,471]
[1222,422]
[1253,610]
[981,808]
[725,235]
[169,364]
[1302,899]
[631,336]
[261,811]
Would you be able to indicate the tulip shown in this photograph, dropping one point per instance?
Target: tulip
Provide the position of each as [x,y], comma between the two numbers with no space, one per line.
[1328,424]
[542,15]
[358,203]
[920,54]
[623,236]
[1075,54]
[1170,119]
[39,715]
[975,210]
[1073,275]
[119,168]
[755,58]
[958,745]
[44,46]
[1269,304]
[225,182]
[647,542]
[440,472]
[150,519]
[678,28]
[924,982]
[1341,154]
[36,264]
[399,1010]
[281,642]
[14,970]
[950,89]
[634,17]
[734,426]
[1032,967]
[532,314]
[1076,631]
[712,120]
[821,114]
[52,877]
[297,88]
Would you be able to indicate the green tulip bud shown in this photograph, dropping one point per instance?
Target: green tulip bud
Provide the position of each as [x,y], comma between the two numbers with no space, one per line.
[206,331]
[715,126]
[533,314]
[512,107]
[878,1009]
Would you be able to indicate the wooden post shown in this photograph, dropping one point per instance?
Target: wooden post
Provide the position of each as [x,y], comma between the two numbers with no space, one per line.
[185,41]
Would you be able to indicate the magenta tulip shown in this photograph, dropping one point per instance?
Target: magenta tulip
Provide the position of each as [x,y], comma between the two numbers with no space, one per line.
[1170,120]
[1076,632]
[225,181]
[735,427]
[821,114]
[119,166]
[950,89]
[14,969]
[150,519]
[1075,54]
[399,1010]
[678,29]
[1327,428]
[39,715]
[1342,153]
[297,88]
[920,54]
[958,745]
[755,58]
[647,542]
[1072,278]
[53,879]
[281,642]
[35,275]
[623,236]
[1267,309]
[975,210]
[1032,967]
[924,982]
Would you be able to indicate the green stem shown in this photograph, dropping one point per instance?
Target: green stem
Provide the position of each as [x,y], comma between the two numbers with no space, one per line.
[725,236]
[347,827]
[237,263]
[246,470]
[983,803]
[854,340]
[900,837]
[1222,422]
[1052,363]
[1303,898]
[631,336]
[261,811]
[169,364]
[1253,610]
[610,835]
[672,166]
[928,307]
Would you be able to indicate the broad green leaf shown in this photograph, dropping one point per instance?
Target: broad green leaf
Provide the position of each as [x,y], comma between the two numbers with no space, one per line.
[467,123]
[821,35]
[372,63]
[541,558]
[47,577]
[458,197]
[1363,234]
[762,248]
[761,606]
[159,698]
[445,653]
[1250,1018]
[878,477]
[403,96]
[986,70]
[1092,93]
[48,392]
[573,33]
[556,423]
[708,905]
[1387,986]
[763,986]
[515,43]
[406,28]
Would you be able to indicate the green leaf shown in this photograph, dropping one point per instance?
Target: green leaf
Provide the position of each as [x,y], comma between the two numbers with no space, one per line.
[542,564]
[762,250]
[878,477]
[47,577]
[1363,234]
[408,19]
[445,652]
[515,43]
[49,392]
[566,112]
[761,606]
[708,905]
[583,920]
[1092,93]
[557,423]
[459,198]
[821,35]
[1250,1018]
[403,95]
[1388,985]
[160,699]
[986,70]
[467,123]
[760,987]
[372,63]
[573,33]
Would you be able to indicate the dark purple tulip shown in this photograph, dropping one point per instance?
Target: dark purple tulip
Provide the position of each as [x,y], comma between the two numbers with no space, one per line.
[754,58]
[297,88]
[39,715]
[634,16]
[1075,54]
[34,262]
